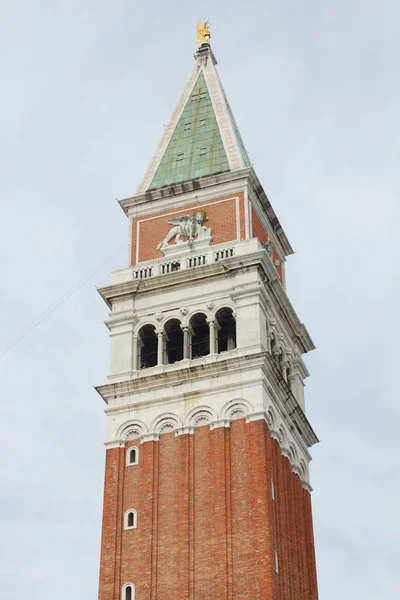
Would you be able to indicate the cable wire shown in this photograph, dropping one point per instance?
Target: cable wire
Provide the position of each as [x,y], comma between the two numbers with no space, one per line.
[46,313]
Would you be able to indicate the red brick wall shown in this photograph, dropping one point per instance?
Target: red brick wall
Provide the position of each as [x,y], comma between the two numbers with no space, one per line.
[222,215]
[259,232]
[207,524]
[258,229]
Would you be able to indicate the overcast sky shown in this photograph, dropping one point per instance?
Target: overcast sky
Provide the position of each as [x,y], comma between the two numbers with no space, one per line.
[86,90]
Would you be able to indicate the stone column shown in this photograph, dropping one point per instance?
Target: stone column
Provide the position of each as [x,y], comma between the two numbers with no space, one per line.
[185,330]
[211,324]
[135,365]
[160,348]
[284,367]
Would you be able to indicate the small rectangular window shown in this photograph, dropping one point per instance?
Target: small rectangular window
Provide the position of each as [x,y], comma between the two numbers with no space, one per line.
[203,95]
[180,157]
[276,562]
[188,126]
[203,151]
[203,122]
[272,489]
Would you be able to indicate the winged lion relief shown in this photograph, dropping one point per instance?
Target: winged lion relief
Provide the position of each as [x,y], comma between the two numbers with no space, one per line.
[187,226]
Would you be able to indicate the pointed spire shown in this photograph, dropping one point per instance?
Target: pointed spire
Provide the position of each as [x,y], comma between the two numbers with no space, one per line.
[202,137]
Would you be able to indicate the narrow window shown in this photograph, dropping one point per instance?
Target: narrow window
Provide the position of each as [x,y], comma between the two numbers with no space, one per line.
[203,151]
[180,157]
[272,489]
[130,519]
[203,122]
[276,562]
[203,95]
[133,455]
[128,592]
[187,127]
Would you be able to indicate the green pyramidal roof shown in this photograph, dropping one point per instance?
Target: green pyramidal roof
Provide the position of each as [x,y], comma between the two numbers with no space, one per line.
[201,138]
[195,148]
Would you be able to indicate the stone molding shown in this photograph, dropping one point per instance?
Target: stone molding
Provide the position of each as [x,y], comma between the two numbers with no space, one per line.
[271,288]
[167,378]
[238,408]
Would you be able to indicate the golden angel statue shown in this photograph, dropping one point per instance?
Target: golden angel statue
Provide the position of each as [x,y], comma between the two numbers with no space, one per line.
[203,33]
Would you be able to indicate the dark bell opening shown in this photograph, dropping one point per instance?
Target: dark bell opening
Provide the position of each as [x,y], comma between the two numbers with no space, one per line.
[174,343]
[200,336]
[227,330]
[148,351]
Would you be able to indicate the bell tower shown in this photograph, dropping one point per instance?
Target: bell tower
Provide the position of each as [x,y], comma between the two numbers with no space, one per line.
[207,488]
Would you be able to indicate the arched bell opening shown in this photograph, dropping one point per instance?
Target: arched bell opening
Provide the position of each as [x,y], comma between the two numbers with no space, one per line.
[200,336]
[226,330]
[275,349]
[173,341]
[148,343]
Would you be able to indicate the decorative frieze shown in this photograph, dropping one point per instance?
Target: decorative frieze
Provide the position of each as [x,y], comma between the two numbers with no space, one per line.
[207,416]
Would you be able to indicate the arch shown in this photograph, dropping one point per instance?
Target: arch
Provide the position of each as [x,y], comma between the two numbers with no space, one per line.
[226,329]
[275,347]
[282,436]
[128,591]
[200,335]
[303,470]
[132,456]
[236,409]
[271,418]
[201,415]
[293,456]
[289,375]
[166,423]
[130,519]
[173,341]
[289,368]
[147,346]
[268,330]
[131,430]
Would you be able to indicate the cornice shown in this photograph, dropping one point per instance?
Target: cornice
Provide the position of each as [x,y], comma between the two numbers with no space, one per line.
[155,379]
[190,187]
[120,290]
[182,278]
[260,193]
[206,416]
[300,426]
[194,185]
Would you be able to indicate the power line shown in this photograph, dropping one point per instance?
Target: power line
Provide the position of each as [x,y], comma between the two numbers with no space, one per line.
[46,313]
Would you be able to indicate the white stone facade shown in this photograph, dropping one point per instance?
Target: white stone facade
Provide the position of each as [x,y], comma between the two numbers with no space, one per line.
[262,378]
